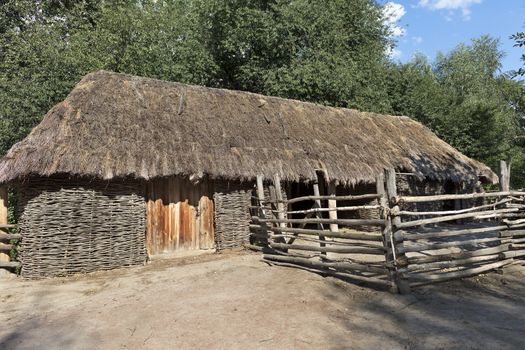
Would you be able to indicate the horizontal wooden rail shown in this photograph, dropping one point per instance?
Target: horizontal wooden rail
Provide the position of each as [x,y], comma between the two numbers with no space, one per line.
[4,247]
[483,215]
[322,210]
[444,197]
[452,263]
[512,233]
[9,264]
[447,276]
[6,226]
[511,223]
[334,198]
[346,222]
[9,236]
[462,255]
[325,265]
[325,233]
[341,250]
[442,233]
[451,212]
[513,253]
[435,246]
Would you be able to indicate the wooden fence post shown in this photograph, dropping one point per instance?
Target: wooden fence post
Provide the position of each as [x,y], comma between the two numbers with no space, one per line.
[279,198]
[504,177]
[403,285]
[262,212]
[332,204]
[4,256]
[317,204]
[387,229]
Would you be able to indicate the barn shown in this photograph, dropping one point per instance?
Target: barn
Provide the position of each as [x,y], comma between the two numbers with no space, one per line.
[126,168]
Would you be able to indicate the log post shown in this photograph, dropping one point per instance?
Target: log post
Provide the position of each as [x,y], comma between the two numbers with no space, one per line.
[262,213]
[4,256]
[403,285]
[332,204]
[276,197]
[504,177]
[386,232]
[279,198]
[317,214]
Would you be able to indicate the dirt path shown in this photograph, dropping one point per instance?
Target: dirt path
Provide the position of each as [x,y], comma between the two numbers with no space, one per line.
[235,301]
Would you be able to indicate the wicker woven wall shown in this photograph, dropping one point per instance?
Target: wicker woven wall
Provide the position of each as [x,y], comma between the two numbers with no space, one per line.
[232,214]
[74,225]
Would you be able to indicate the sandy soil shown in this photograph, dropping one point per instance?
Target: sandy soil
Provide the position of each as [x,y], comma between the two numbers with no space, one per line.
[235,301]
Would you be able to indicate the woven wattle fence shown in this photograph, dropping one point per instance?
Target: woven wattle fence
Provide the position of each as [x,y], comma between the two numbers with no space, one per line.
[232,214]
[71,226]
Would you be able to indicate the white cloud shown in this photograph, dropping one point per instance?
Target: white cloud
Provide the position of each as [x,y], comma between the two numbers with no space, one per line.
[392,13]
[416,40]
[451,6]
[394,53]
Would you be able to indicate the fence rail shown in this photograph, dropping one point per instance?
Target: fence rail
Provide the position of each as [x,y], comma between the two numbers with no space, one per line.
[409,247]
[6,245]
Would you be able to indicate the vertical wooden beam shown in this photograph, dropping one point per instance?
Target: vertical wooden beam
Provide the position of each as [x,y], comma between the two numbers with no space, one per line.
[387,230]
[317,204]
[332,204]
[3,216]
[262,212]
[401,261]
[504,177]
[279,198]
[280,204]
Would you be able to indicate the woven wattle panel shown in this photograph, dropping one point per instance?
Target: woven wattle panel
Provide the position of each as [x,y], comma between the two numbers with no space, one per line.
[232,214]
[75,225]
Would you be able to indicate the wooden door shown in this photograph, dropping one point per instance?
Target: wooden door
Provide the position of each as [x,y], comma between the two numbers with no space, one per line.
[179,215]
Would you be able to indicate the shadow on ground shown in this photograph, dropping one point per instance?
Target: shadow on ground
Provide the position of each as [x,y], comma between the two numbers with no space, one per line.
[484,312]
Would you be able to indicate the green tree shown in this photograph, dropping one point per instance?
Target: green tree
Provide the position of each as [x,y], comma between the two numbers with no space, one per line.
[466,100]
[332,53]
[519,39]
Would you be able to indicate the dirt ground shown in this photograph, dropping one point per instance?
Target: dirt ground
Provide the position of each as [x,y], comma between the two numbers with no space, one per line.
[236,301]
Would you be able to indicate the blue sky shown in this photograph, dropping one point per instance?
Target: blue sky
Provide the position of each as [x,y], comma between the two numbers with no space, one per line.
[430,26]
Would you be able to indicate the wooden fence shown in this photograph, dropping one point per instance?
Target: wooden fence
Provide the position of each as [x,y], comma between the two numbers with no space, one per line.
[6,245]
[439,246]
[409,248]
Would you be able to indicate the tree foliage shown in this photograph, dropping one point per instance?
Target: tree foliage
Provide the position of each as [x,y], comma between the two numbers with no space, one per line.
[519,39]
[332,52]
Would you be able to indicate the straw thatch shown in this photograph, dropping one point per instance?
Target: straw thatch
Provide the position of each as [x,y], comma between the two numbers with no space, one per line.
[115,125]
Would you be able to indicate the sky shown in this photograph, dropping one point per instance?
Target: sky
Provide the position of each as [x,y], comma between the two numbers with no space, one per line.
[430,26]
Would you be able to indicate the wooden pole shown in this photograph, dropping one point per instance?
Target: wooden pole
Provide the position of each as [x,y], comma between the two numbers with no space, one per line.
[313,232]
[386,232]
[504,177]
[338,198]
[4,256]
[403,285]
[279,196]
[280,205]
[346,222]
[332,204]
[487,214]
[262,214]
[447,276]
[318,215]
[445,197]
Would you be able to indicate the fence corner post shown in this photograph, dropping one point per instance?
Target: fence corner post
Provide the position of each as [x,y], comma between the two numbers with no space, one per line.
[399,258]
[386,233]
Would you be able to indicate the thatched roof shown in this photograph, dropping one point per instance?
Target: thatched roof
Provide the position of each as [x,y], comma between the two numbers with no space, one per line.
[115,125]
